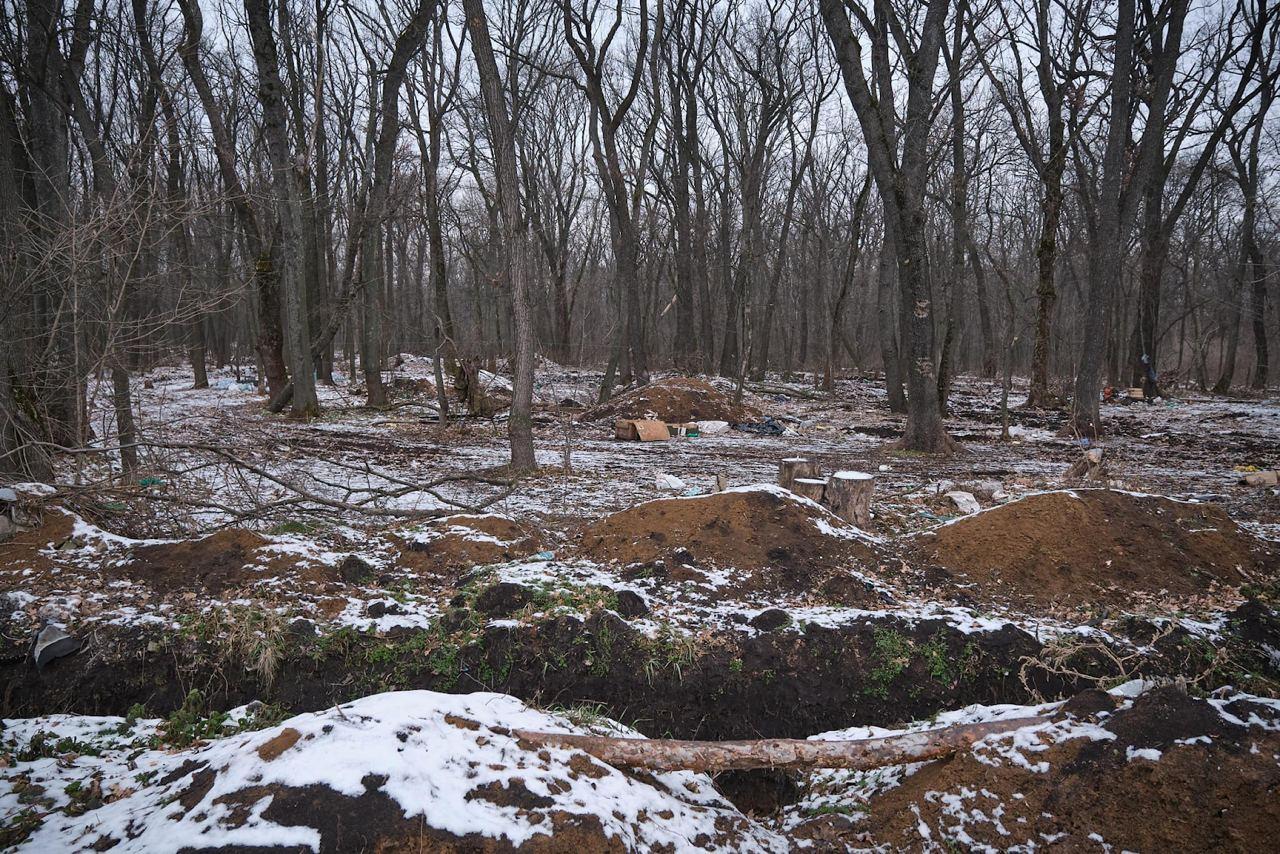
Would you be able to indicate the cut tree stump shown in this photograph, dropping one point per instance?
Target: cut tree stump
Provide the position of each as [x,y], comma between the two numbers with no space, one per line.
[1089,467]
[795,467]
[849,496]
[793,754]
[812,488]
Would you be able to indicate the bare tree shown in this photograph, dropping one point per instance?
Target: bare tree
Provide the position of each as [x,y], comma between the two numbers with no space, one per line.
[515,247]
[899,164]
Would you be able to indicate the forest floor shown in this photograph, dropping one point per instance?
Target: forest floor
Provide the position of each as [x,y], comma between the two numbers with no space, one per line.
[319,634]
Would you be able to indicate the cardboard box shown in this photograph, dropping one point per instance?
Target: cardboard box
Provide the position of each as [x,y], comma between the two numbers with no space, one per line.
[640,429]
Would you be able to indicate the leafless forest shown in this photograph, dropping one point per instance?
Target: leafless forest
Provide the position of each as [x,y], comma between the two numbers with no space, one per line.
[639,425]
[1074,192]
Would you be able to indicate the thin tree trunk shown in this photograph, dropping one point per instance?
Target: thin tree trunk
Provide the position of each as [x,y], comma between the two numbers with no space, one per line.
[126,434]
[501,133]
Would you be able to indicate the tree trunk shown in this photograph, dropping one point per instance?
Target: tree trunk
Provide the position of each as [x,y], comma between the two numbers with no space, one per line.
[984,313]
[886,281]
[1155,249]
[1258,311]
[276,135]
[501,133]
[126,435]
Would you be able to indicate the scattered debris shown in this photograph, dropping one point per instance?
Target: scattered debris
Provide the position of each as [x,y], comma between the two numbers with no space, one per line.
[767,427]
[52,643]
[670,483]
[1089,467]
[964,501]
[8,513]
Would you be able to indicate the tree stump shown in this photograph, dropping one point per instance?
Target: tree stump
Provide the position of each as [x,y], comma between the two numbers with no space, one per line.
[794,467]
[812,488]
[849,496]
[1089,467]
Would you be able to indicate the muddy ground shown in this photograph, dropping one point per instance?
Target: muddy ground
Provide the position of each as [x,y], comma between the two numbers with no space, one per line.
[684,612]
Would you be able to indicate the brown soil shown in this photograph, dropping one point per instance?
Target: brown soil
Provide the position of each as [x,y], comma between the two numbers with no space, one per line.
[772,541]
[22,551]
[674,400]
[214,563]
[1197,797]
[1097,545]
[443,550]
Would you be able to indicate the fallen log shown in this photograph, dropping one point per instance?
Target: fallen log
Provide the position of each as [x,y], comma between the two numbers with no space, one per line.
[793,754]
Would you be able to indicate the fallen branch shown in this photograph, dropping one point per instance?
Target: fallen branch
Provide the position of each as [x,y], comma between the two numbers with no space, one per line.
[793,754]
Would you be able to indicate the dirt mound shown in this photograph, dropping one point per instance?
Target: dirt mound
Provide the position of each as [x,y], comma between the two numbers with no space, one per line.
[1085,546]
[21,552]
[406,771]
[674,400]
[454,544]
[1168,773]
[214,563]
[774,541]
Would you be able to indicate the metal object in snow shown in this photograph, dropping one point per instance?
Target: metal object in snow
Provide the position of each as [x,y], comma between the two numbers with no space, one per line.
[52,643]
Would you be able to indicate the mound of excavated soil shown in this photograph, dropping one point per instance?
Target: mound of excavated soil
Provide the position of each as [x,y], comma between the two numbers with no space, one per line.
[1097,545]
[21,552]
[396,772]
[1176,776]
[455,544]
[772,540]
[214,563]
[673,400]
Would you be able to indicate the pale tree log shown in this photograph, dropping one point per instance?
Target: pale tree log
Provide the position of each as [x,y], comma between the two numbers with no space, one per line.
[789,754]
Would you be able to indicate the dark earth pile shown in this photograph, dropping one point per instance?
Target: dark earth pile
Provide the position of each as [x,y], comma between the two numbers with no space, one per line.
[1094,545]
[771,540]
[454,545]
[1214,796]
[674,400]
